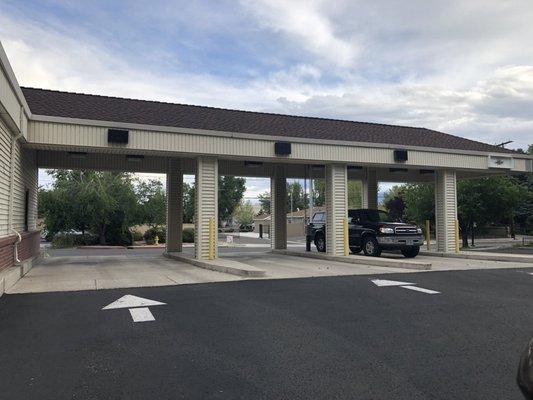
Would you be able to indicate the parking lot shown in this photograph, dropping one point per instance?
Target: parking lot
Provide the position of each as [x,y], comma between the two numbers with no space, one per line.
[340,337]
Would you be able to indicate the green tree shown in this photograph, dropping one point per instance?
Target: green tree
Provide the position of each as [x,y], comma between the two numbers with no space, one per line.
[244,214]
[296,197]
[188,202]
[230,192]
[264,201]
[151,198]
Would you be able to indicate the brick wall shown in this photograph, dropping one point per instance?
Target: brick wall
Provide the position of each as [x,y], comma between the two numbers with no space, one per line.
[28,247]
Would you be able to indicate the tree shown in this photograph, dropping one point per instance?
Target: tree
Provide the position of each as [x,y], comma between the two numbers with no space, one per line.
[152,202]
[264,201]
[296,198]
[188,202]
[244,214]
[103,202]
[230,192]
[395,206]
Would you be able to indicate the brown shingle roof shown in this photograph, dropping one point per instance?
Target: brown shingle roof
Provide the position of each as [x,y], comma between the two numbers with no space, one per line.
[85,106]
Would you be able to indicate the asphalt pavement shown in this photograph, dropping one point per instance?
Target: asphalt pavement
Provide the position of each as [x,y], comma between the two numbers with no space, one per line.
[314,338]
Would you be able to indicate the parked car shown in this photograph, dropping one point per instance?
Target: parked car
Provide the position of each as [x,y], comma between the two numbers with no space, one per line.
[371,231]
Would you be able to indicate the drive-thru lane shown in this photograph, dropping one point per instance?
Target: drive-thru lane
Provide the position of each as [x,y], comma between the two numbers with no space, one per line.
[320,338]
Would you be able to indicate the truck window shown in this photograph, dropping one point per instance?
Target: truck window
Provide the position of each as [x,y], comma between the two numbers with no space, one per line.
[318,217]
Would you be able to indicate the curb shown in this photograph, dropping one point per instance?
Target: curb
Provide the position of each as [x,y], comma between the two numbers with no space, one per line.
[220,265]
[362,260]
[483,256]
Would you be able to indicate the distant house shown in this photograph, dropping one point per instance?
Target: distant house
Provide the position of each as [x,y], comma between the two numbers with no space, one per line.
[296,222]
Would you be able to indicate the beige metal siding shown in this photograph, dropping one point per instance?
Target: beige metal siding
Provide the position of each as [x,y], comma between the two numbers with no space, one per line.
[206,205]
[336,207]
[9,100]
[5,159]
[174,205]
[59,134]
[278,208]
[26,177]
[370,189]
[445,209]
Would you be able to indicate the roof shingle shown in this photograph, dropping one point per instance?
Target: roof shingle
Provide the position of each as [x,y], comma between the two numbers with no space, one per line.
[114,109]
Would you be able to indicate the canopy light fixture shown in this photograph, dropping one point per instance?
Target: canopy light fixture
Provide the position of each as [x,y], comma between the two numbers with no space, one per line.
[397,170]
[135,157]
[77,154]
[317,167]
[354,168]
[427,171]
[253,164]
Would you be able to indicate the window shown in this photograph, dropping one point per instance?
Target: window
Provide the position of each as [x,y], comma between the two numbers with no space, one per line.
[318,217]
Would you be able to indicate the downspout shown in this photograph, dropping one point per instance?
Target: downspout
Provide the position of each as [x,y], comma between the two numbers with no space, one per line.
[12,193]
[15,247]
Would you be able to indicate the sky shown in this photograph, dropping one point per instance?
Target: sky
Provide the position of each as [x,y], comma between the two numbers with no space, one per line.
[462,67]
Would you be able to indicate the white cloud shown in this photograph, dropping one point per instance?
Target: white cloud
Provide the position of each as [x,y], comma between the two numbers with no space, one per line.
[307,23]
[460,67]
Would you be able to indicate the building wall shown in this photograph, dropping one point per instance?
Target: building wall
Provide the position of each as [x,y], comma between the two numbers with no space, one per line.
[24,178]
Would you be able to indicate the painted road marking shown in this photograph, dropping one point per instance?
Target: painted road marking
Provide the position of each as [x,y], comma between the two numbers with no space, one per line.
[129,301]
[405,285]
[421,289]
[384,282]
[138,307]
[142,314]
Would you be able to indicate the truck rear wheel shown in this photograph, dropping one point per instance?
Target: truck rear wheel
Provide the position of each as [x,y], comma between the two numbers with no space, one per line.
[371,246]
[411,252]
[320,242]
[355,250]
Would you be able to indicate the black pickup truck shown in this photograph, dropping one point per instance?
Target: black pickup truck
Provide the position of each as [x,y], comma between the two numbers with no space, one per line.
[371,231]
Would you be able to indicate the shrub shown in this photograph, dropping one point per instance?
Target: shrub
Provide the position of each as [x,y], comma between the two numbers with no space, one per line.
[188,235]
[150,234]
[137,236]
[65,240]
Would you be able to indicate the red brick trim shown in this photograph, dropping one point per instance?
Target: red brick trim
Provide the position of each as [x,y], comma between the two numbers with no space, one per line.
[27,248]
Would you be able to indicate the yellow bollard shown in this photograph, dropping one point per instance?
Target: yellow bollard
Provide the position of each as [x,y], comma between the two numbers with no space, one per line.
[428,236]
[346,238]
[212,242]
[457,236]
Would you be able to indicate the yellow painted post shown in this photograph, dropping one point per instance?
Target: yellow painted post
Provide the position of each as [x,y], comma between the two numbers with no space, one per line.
[211,238]
[457,236]
[346,238]
[428,236]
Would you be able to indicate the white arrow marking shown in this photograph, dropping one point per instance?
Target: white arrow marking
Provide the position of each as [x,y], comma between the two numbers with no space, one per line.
[405,285]
[142,314]
[129,301]
[420,289]
[384,282]
[138,307]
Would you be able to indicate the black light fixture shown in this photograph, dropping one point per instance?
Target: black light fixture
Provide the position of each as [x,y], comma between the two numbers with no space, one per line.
[135,157]
[354,168]
[77,154]
[397,170]
[426,171]
[282,148]
[253,164]
[118,136]
[400,155]
[317,167]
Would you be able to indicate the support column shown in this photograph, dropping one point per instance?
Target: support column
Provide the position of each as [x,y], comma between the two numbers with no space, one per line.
[370,189]
[336,208]
[174,205]
[445,210]
[278,209]
[206,209]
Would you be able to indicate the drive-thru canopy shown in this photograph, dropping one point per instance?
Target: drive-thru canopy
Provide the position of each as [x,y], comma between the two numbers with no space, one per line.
[52,129]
